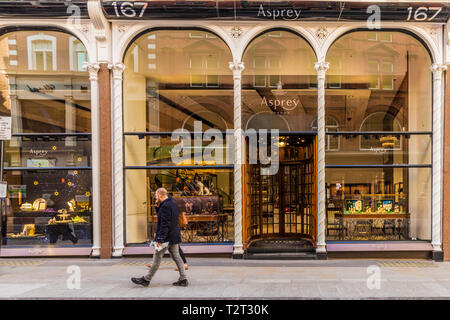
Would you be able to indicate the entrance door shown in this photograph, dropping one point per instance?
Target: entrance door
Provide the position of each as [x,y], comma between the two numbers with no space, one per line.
[283,205]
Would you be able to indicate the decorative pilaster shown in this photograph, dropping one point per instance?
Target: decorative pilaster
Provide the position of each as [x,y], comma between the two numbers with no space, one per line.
[438,114]
[237,67]
[321,68]
[93,69]
[118,221]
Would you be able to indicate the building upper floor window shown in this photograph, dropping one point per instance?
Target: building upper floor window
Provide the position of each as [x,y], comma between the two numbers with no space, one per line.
[78,54]
[267,71]
[379,36]
[41,52]
[381,74]
[204,70]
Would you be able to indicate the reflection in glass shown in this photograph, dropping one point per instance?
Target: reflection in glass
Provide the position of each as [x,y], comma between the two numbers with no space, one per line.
[378,204]
[48,207]
[178,79]
[47,94]
[205,195]
[161,150]
[385,85]
[172,79]
[48,151]
[42,85]
[278,85]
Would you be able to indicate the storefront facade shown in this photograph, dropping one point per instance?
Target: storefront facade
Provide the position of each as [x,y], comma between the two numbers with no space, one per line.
[359,114]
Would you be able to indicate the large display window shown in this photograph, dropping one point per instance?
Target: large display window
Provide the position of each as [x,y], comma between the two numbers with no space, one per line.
[379,90]
[47,163]
[178,81]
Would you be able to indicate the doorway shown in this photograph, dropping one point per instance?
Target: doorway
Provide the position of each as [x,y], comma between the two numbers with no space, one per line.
[281,208]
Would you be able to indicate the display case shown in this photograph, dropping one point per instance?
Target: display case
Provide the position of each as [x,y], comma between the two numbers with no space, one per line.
[357,213]
[48,207]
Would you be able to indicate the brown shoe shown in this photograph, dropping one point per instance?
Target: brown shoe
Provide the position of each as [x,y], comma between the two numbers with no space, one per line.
[185,267]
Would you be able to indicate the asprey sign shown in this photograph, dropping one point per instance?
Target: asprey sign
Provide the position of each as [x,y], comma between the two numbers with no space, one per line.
[276,10]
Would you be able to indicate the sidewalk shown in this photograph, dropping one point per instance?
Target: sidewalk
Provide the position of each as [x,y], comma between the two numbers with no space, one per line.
[225,278]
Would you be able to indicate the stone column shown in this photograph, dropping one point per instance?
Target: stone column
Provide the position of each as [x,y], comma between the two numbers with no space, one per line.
[446,177]
[436,231]
[93,77]
[237,67]
[117,136]
[321,68]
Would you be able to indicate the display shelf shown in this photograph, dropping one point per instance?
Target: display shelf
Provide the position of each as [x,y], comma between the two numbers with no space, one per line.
[43,214]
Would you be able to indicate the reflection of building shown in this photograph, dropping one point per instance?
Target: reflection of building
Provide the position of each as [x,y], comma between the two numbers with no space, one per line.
[360,139]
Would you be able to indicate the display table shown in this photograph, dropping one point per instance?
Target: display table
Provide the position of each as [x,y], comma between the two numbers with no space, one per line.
[371,215]
[366,225]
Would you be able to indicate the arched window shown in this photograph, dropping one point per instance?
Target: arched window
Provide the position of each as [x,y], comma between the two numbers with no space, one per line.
[47,162]
[178,79]
[384,104]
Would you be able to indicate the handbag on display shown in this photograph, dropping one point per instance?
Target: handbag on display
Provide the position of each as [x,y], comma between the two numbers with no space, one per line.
[182,220]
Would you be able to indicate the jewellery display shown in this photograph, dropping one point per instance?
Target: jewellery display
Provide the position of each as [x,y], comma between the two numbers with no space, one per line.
[40,204]
[26,207]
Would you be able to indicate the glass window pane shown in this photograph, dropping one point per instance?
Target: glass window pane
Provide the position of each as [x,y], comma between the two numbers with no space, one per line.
[399,68]
[162,99]
[48,152]
[212,62]
[381,149]
[49,61]
[205,196]
[285,67]
[374,82]
[260,80]
[372,36]
[378,204]
[259,62]
[197,62]
[385,36]
[39,56]
[56,101]
[212,80]
[81,59]
[387,67]
[161,150]
[274,80]
[49,208]
[274,62]
[388,82]
[196,80]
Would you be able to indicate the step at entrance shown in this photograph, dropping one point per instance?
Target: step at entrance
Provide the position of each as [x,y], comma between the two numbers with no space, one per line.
[281,249]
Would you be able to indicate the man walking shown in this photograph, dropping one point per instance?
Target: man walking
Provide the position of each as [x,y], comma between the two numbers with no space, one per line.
[167,231]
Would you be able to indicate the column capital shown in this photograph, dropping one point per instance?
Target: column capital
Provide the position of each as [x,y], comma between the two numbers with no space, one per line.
[92,68]
[321,67]
[117,69]
[237,67]
[438,69]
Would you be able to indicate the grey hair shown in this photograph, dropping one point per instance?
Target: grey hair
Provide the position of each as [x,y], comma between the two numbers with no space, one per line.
[162,192]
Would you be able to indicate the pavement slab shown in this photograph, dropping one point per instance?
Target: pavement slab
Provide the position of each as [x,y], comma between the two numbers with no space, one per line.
[225,278]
